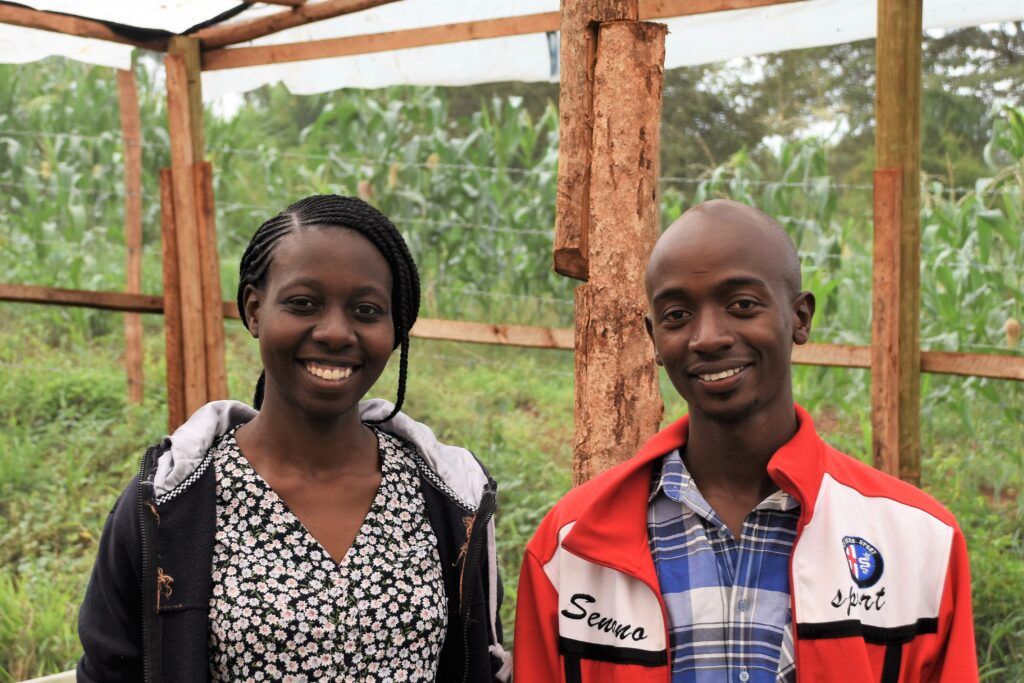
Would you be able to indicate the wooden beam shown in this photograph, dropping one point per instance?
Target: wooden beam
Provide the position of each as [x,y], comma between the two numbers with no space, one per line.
[486,333]
[193,333]
[664,9]
[104,301]
[213,316]
[283,3]
[617,400]
[131,133]
[242,31]
[896,385]
[379,42]
[72,26]
[885,328]
[830,355]
[449,33]
[173,352]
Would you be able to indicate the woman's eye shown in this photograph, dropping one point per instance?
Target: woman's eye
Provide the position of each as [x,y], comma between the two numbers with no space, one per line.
[301,303]
[368,310]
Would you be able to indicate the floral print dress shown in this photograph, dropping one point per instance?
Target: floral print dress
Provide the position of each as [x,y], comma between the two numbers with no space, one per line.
[282,609]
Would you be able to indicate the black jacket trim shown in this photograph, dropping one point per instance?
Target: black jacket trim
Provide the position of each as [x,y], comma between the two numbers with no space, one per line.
[610,653]
[872,634]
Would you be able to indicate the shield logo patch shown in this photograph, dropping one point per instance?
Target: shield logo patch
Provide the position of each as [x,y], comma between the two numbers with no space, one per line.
[864,561]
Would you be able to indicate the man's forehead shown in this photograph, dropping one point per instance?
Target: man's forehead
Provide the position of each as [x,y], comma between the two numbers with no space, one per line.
[701,240]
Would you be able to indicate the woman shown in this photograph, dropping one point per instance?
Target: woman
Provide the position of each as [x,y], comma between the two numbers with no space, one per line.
[322,537]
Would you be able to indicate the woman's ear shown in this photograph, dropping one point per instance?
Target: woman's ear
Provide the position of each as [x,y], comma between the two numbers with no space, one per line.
[251,305]
[803,313]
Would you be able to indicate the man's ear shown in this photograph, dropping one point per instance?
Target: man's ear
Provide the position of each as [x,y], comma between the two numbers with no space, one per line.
[649,326]
[251,306]
[803,313]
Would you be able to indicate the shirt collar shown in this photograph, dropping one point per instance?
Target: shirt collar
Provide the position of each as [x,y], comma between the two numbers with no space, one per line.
[674,481]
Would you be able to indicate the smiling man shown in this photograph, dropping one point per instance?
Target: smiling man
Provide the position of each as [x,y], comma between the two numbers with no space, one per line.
[737,545]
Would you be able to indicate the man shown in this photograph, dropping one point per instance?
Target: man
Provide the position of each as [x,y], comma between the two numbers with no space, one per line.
[737,545]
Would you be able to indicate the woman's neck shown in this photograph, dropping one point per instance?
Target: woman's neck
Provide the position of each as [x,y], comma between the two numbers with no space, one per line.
[285,440]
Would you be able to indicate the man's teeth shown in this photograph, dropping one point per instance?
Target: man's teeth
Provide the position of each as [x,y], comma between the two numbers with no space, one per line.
[328,373]
[720,375]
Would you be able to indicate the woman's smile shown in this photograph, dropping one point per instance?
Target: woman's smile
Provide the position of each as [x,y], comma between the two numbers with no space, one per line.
[329,372]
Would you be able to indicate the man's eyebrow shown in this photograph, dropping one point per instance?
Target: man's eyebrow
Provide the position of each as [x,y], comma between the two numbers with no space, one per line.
[670,293]
[742,281]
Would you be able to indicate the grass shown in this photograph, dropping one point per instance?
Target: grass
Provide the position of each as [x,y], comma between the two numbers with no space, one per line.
[69,443]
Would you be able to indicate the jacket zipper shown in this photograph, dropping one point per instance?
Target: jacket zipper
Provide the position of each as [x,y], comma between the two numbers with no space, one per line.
[487,506]
[147,624]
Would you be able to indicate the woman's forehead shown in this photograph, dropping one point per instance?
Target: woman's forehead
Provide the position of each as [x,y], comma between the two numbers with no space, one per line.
[329,251]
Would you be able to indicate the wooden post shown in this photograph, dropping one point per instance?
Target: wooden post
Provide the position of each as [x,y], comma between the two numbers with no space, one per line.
[579,22]
[213,311]
[202,330]
[131,132]
[186,228]
[176,412]
[618,404]
[896,382]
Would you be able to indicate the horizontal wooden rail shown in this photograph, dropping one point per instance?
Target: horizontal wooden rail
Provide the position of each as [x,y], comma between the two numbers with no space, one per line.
[72,26]
[447,33]
[108,301]
[832,355]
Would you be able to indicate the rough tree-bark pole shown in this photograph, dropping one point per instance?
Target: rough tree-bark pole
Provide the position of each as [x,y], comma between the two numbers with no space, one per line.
[896,385]
[577,51]
[131,133]
[618,405]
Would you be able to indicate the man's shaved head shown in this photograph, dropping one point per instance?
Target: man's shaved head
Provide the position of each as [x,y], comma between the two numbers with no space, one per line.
[742,222]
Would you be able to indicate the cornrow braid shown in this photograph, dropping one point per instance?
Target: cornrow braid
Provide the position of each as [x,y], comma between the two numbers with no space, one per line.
[354,214]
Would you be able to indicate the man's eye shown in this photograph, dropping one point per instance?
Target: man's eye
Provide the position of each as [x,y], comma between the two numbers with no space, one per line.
[676,314]
[743,305]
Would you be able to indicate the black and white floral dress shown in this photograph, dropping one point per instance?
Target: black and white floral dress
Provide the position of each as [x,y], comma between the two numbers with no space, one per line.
[282,609]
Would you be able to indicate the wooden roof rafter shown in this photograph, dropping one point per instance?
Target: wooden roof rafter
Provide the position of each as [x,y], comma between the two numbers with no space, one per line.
[27,17]
[242,31]
[424,36]
[285,3]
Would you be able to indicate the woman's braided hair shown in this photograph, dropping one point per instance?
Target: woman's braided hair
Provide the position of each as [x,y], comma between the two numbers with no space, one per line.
[354,214]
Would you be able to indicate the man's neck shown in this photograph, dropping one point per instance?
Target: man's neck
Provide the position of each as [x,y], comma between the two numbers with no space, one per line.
[732,457]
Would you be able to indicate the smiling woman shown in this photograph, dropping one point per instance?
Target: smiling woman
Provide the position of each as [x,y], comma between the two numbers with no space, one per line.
[319,536]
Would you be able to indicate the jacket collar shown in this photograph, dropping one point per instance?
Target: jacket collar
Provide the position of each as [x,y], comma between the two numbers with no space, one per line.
[612,529]
[455,469]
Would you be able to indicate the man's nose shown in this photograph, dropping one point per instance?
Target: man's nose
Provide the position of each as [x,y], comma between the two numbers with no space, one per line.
[710,333]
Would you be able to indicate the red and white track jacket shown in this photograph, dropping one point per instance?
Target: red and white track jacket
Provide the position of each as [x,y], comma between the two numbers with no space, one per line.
[880,586]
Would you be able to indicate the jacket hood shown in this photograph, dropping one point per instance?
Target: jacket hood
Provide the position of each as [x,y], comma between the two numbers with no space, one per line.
[184,451]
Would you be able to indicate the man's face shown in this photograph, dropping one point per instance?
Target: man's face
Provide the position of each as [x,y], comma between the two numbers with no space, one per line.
[723,319]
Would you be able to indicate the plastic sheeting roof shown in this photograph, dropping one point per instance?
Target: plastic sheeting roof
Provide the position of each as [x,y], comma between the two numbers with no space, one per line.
[692,40]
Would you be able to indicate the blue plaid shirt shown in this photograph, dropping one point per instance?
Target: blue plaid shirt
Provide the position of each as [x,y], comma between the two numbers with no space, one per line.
[727,598]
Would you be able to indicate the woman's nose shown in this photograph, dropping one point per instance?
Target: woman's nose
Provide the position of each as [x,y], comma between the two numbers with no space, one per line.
[334,328]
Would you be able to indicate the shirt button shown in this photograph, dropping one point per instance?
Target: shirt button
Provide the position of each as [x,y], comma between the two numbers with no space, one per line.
[744,677]
[743,608]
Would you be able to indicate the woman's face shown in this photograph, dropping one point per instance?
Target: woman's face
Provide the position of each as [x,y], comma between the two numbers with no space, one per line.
[323,320]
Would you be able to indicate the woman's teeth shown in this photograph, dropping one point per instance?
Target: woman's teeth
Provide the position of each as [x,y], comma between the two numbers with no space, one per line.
[720,375]
[329,373]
